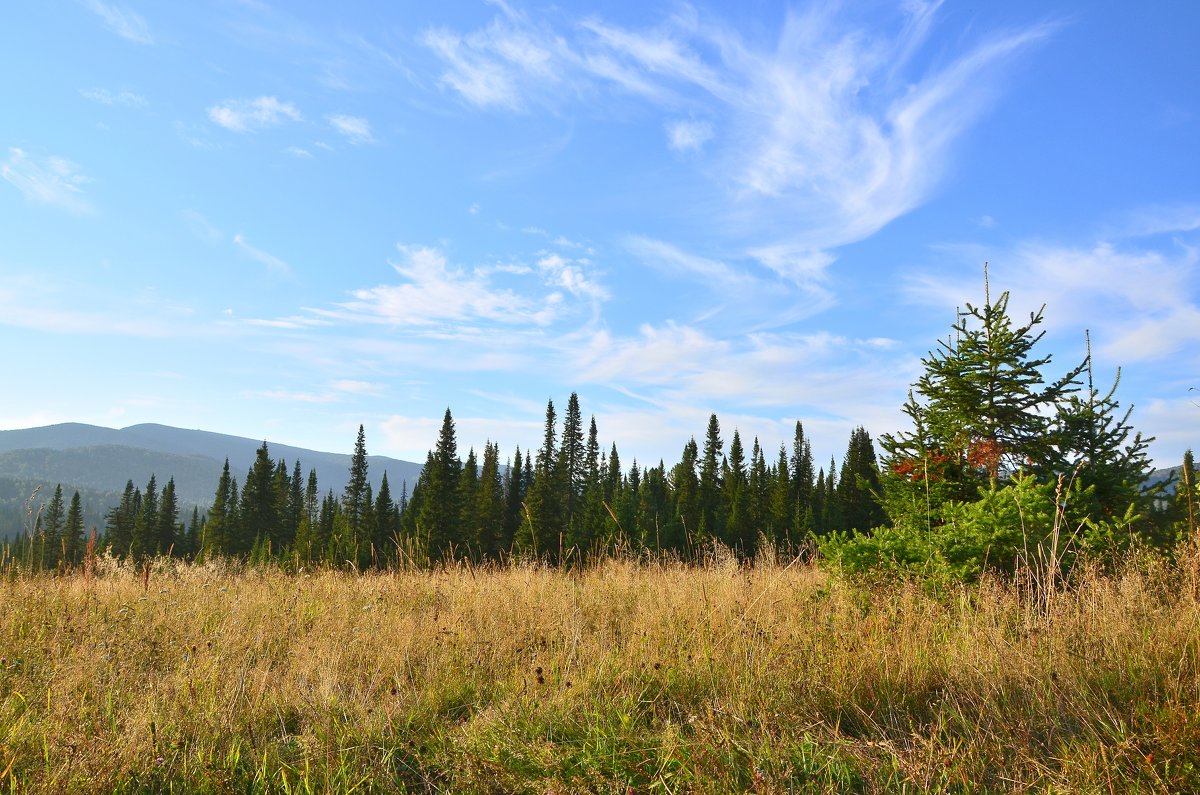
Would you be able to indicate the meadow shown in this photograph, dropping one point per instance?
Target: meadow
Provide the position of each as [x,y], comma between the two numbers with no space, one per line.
[626,677]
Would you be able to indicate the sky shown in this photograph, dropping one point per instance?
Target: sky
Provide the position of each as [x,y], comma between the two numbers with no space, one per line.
[281,220]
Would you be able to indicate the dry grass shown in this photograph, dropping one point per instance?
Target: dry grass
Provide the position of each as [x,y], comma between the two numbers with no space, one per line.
[623,678]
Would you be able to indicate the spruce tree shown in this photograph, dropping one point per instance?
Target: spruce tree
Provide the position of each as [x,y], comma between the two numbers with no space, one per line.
[52,529]
[1094,442]
[73,532]
[711,514]
[572,466]
[194,530]
[739,527]
[145,527]
[540,532]
[354,499]
[385,526]
[166,531]
[490,506]
[803,485]
[217,525]
[514,500]
[983,400]
[467,529]
[858,485]
[259,505]
[687,493]
[440,511]
[782,504]
[760,492]
[119,521]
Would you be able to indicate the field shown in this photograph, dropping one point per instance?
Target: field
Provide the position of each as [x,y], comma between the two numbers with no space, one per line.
[628,677]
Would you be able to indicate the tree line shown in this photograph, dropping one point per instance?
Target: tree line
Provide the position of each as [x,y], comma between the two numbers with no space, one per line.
[996,457]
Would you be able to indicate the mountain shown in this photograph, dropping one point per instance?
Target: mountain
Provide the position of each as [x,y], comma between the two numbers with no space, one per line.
[98,461]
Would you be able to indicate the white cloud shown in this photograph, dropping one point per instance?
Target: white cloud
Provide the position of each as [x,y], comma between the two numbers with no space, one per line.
[272,262]
[251,115]
[481,80]
[688,136]
[746,293]
[433,292]
[1140,302]
[831,131]
[411,437]
[125,98]
[122,21]
[357,130]
[201,227]
[335,392]
[296,151]
[569,275]
[55,181]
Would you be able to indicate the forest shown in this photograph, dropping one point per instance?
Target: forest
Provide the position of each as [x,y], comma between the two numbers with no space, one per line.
[1000,461]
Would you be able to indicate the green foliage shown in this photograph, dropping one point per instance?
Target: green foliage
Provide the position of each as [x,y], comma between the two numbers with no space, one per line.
[1025,521]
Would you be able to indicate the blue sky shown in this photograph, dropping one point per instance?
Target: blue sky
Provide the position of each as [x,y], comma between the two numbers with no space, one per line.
[279,220]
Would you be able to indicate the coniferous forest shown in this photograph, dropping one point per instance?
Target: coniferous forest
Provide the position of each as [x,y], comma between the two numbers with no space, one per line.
[1004,453]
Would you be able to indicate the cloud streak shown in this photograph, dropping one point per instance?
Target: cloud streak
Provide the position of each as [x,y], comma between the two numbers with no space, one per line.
[54,181]
[271,262]
[252,115]
[124,98]
[356,130]
[832,132]
[122,21]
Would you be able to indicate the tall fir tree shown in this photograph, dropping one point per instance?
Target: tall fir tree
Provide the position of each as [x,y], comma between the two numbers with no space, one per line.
[982,401]
[218,523]
[385,526]
[1094,443]
[119,521]
[782,505]
[73,544]
[711,512]
[145,527]
[571,466]
[686,483]
[354,499]
[803,485]
[440,511]
[490,504]
[467,531]
[167,528]
[540,532]
[514,500]
[259,505]
[858,485]
[52,520]
[739,527]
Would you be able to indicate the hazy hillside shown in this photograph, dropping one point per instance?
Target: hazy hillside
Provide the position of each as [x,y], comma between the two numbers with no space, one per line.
[98,461]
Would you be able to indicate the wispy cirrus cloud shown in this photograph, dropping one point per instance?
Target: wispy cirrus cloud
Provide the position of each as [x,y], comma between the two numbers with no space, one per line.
[53,181]
[124,97]
[1138,295]
[252,115]
[354,129]
[271,262]
[753,296]
[688,136]
[123,21]
[831,131]
[334,392]
[433,292]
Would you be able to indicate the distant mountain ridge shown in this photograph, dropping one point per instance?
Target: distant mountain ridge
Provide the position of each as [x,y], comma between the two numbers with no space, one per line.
[96,459]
